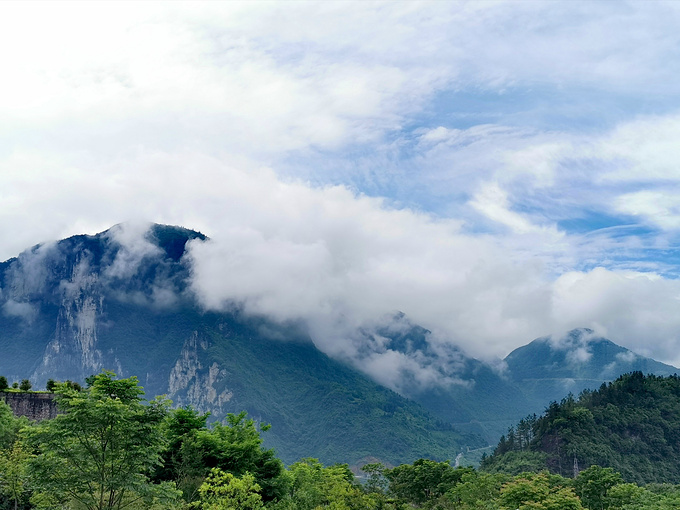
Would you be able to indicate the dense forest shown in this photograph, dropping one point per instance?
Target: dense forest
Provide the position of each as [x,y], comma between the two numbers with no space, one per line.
[111,448]
[631,425]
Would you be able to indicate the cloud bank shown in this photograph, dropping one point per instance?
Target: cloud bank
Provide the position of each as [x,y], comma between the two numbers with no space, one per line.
[359,260]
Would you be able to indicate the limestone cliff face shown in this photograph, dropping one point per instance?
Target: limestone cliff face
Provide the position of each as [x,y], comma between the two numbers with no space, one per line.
[90,303]
[73,349]
[193,383]
[56,301]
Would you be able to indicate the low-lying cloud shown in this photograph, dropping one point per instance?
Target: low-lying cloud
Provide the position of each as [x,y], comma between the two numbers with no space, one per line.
[339,261]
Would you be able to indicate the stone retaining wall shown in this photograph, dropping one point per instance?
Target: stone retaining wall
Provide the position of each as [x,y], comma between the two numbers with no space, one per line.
[35,406]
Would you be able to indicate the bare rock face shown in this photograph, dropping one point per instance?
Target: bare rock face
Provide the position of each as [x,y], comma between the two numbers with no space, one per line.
[192,383]
[73,350]
[57,301]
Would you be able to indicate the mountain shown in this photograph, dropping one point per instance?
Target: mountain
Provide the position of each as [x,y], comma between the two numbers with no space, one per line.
[470,394]
[482,399]
[121,300]
[631,425]
[549,368]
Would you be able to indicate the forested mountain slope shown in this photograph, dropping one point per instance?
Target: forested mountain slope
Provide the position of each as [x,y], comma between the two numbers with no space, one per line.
[631,425]
[121,302]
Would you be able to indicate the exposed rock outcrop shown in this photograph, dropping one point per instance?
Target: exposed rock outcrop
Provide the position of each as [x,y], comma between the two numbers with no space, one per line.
[193,383]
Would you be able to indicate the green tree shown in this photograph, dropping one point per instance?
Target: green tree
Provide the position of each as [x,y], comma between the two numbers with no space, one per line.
[51,385]
[236,448]
[13,456]
[3,383]
[312,486]
[13,466]
[424,480]
[97,453]
[536,492]
[476,491]
[629,496]
[25,385]
[182,460]
[224,491]
[593,484]
[10,426]
[376,482]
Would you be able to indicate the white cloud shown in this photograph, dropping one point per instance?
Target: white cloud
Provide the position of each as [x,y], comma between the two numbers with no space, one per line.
[646,148]
[134,247]
[492,201]
[626,357]
[633,309]
[579,355]
[659,208]
[23,310]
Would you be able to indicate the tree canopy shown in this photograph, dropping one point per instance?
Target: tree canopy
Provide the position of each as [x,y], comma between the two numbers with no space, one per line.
[98,451]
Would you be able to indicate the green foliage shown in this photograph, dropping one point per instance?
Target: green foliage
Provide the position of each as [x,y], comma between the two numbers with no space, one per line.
[536,492]
[10,426]
[14,469]
[224,491]
[25,385]
[312,486]
[476,491]
[52,385]
[629,496]
[112,449]
[3,383]
[376,481]
[181,461]
[593,484]
[97,453]
[192,450]
[424,480]
[236,448]
[631,425]
[515,462]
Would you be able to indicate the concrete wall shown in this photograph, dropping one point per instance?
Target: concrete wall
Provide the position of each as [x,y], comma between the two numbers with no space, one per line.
[35,406]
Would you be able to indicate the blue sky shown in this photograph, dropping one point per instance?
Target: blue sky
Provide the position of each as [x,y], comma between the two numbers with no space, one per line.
[496,170]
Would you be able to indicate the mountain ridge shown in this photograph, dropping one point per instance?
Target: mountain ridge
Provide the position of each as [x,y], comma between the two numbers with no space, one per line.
[122,300]
[548,369]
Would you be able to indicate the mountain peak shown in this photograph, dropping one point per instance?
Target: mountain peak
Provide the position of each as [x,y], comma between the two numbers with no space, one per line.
[551,367]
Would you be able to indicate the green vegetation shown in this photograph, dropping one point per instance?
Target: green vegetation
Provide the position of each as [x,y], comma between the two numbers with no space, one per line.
[98,451]
[631,425]
[112,449]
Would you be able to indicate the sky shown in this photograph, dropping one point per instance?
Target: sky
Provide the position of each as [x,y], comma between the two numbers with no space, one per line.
[497,171]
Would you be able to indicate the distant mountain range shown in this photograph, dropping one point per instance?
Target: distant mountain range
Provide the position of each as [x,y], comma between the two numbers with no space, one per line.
[487,399]
[120,302]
